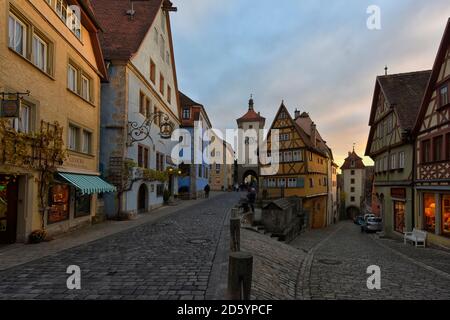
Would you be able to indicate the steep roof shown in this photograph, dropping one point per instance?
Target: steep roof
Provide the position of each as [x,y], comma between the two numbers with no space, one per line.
[196,108]
[122,35]
[305,122]
[185,101]
[251,115]
[404,92]
[442,51]
[322,149]
[352,156]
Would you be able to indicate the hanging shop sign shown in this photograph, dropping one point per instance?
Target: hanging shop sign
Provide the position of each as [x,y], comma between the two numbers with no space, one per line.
[10,104]
[10,108]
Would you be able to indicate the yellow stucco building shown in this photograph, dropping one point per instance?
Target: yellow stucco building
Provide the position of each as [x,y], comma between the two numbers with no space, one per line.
[51,50]
[222,165]
[302,169]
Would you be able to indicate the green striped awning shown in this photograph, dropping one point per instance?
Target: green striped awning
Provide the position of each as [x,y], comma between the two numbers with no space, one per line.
[88,184]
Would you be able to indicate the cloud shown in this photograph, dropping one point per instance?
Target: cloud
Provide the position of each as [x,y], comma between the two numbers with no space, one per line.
[316,55]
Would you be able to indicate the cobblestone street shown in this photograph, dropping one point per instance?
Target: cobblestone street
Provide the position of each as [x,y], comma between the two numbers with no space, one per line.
[173,258]
[331,264]
[336,266]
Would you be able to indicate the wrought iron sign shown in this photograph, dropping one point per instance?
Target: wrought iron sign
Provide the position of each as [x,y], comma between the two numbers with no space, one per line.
[138,133]
[10,108]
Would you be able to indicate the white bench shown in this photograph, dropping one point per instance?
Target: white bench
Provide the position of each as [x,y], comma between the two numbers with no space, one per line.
[418,237]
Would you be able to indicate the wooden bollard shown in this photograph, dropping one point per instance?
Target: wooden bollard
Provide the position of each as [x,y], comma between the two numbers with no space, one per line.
[235,234]
[240,270]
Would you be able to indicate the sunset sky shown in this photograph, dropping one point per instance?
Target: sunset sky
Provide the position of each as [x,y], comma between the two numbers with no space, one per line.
[317,55]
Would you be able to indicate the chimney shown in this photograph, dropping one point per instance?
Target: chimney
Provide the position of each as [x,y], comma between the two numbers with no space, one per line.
[297,114]
[314,134]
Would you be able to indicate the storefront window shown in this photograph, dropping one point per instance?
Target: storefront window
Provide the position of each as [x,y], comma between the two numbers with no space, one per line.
[446,215]
[429,202]
[58,203]
[82,205]
[399,216]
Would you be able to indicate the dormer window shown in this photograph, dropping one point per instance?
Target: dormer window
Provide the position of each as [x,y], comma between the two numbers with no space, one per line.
[443,96]
[353,163]
[186,113]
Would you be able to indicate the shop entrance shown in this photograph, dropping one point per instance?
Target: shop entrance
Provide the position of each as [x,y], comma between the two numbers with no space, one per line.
[8,209]
[143,199]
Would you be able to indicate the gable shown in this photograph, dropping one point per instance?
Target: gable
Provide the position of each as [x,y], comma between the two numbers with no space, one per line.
[428,115]
[156,47]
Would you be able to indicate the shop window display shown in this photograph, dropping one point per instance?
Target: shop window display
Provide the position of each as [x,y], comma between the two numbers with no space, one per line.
[446,215]
[58,203]
[429,201]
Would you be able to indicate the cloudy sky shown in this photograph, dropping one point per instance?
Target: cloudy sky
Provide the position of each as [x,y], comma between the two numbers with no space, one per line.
[317,55]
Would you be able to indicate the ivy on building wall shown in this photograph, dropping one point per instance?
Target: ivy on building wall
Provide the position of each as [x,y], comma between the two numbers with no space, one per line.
[41,151]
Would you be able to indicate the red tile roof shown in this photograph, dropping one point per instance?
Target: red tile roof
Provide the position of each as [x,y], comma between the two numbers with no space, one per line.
[122,35]
[251,115]
[352,156]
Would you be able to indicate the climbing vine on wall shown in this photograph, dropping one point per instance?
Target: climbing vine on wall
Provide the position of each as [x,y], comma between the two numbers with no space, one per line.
[42,150]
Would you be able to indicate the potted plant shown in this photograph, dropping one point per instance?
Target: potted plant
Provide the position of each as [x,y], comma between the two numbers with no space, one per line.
[37,236]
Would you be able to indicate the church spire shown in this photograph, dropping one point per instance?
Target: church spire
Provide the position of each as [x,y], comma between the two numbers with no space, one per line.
[251,103]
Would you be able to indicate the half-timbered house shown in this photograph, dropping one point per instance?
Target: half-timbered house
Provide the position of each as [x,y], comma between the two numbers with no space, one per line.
[395,106]
[433,150]
[302,169]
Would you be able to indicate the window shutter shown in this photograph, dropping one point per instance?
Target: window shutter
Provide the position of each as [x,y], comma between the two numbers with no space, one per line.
[300,182]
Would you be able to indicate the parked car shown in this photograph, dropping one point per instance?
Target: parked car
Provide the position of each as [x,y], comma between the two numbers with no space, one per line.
[372,224]
[359,220]
[369,215]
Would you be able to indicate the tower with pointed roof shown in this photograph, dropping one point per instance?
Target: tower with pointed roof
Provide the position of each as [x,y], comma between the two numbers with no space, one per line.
[248,170]
[354,173]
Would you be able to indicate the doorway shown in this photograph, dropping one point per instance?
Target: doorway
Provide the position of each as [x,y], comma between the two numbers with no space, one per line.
[143,199]
[8,209]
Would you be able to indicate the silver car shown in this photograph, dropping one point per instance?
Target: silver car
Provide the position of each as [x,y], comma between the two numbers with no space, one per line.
[372,224]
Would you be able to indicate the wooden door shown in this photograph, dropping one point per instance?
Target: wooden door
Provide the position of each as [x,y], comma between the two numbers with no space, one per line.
[8,209]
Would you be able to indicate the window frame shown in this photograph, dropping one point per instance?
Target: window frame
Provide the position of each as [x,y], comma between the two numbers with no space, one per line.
[83,142]
[152,71]
[437,146]
[169,94]
[77,141]
[45,57]
[443,104]
[161,83]
[401,160]
[84,77]
[426,148]
[25,29]
[71,67]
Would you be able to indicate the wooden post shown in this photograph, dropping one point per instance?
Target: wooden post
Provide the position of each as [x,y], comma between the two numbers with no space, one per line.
[235,234]
[234,213]
[240,271]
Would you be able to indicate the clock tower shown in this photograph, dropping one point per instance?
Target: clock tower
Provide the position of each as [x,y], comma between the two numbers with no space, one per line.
[247,170]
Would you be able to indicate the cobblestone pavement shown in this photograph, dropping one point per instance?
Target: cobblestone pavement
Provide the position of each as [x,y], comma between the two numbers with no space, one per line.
[337,260]
[170,259]
[20,253]
[275,266]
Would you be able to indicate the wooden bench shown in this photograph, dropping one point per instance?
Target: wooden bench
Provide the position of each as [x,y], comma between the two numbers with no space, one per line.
[418,237]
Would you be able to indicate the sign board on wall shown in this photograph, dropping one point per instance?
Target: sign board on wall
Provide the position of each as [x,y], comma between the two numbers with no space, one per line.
[10,108]
[399,193]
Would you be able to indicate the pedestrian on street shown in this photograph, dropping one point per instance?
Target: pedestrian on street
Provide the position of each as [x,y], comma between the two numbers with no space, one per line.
[251,197]
[207,190]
